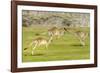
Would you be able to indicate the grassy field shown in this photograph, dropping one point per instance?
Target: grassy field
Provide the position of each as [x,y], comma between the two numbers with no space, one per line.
[65,48]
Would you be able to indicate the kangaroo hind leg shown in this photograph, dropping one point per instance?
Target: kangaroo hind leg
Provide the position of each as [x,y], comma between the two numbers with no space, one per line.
[34,49]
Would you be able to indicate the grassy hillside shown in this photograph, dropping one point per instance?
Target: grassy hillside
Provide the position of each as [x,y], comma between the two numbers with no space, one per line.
[65,48]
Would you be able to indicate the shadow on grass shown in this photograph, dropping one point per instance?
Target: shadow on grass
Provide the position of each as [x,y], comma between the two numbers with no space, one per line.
[78,45]
[37,54]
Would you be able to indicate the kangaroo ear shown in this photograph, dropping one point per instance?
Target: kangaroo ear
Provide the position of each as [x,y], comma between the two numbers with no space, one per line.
[25,48]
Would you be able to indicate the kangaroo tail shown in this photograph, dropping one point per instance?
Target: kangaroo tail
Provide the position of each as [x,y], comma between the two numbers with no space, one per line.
[25,48]
[28,46]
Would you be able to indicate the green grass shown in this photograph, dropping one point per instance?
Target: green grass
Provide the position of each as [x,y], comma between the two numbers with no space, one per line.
[65,48]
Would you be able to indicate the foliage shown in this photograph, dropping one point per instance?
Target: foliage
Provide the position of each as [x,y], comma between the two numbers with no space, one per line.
[55,18]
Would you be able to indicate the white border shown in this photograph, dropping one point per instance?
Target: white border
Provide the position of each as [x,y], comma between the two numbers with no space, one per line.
[52,63]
